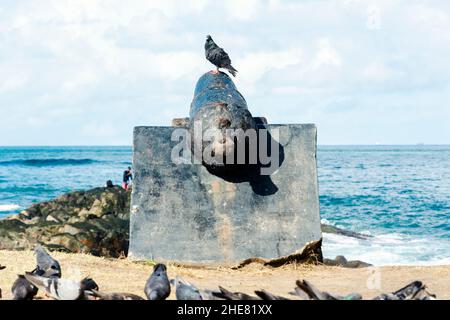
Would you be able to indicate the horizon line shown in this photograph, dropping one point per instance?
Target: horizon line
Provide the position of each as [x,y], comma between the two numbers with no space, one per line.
[319,145]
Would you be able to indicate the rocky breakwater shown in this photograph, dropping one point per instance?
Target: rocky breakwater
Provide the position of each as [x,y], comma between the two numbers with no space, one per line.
[94,221]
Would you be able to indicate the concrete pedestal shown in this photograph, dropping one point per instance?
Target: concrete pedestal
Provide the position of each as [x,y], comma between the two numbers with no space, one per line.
[184,213]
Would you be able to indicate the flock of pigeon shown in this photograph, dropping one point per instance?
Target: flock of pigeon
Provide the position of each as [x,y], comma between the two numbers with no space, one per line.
[47,277]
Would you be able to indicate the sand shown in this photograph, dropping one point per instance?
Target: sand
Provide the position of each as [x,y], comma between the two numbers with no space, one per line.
[122,275]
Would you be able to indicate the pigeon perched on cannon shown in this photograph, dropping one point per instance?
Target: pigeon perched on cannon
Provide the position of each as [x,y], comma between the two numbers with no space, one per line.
[217,56]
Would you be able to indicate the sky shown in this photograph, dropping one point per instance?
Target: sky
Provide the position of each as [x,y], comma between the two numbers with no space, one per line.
[86,72]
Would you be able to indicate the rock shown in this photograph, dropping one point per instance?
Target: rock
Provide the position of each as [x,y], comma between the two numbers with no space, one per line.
[94,222]
[326,228]
[50,218]
[341,261]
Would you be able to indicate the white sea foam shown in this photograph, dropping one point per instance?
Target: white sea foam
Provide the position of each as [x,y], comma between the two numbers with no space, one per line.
[9,207]
[327,222]
[388,249]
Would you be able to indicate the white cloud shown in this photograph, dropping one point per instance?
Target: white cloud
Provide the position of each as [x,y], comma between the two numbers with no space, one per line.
[326,56]
[256,65]
[379,72]
[373,18]
[243,10]
[63,62]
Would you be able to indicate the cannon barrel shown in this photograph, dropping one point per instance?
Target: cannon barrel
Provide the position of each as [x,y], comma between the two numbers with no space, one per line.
[216,107]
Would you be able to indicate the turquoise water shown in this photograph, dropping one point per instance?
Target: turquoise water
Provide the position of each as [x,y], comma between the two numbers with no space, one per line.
[400,195]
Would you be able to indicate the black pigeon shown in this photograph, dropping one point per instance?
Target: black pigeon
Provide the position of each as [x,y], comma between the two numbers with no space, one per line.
[208,294]
[22,289]
[88,284]
[46,265]
[266,295]
[217,56]
[158,285]
[228,295]
[408,292]
[312,292]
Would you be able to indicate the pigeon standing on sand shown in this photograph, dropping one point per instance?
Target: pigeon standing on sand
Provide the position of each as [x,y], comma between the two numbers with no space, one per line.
[306,290]
[158,285]
[217,56]
[22,289]
[88,284]
[228,295]
[59,289]
[46,265]
[266,295]
[186,291]
[413,291]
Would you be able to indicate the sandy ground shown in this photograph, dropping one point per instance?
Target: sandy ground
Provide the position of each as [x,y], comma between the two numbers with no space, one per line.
[122,275]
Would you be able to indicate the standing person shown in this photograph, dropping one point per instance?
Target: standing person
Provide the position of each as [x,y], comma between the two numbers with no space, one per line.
[127,176]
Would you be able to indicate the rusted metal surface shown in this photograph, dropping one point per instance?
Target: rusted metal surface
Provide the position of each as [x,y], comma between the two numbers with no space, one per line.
[217,106]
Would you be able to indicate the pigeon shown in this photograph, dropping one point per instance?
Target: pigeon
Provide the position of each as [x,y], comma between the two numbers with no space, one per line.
[114,296]
[208,294]
[265,295]
[158,285]
[88,284]
[307,291]
[46,265]
[228,295]
[217,56]
[424,295]
[22,289]
[312,292]
[59,289]
[408,292]
[186,291]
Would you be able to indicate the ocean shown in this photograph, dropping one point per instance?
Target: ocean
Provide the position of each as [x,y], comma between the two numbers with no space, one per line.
[397,195]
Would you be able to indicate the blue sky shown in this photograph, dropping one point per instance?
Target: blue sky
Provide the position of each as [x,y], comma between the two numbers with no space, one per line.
[87,72]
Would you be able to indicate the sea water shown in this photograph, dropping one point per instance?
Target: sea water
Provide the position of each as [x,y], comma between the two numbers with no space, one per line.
[397,195]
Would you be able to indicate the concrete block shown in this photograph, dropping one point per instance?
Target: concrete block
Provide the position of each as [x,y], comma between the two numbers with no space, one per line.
[184,213]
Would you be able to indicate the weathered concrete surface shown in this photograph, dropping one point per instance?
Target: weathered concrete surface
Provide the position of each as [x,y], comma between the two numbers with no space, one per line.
[184,213]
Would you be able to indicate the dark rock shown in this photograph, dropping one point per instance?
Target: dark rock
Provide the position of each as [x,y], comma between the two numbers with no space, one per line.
[94,222]
[326,228]
[341,261]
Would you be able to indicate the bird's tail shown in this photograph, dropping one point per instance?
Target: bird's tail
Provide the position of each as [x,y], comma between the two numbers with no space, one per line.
[232,70]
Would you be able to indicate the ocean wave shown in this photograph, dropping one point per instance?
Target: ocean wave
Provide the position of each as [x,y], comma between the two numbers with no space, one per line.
[388,249]
[9,207]
[48,162]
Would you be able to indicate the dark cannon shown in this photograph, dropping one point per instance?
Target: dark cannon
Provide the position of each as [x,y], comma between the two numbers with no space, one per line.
[217,110]
[186,210]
